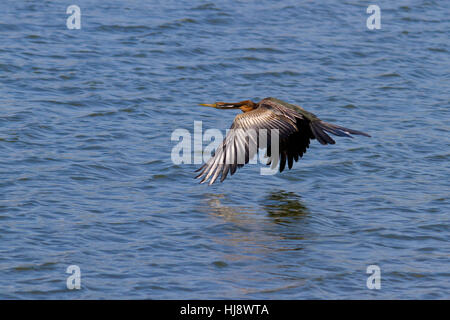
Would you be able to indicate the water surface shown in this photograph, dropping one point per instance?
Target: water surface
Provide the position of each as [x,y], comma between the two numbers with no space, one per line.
[85,150]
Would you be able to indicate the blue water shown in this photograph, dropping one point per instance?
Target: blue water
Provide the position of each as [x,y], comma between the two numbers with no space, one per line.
[85,150]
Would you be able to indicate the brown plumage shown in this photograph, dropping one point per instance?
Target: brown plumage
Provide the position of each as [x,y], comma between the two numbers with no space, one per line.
[296,127]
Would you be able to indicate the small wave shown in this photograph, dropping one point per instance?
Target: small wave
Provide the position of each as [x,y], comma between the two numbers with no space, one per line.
[277,74]
[393,88]
[437,49]
[120,28]
[389,75]
[43,266]
[206,6]
[99,114]
[261,49]
[177,23]
[8,27]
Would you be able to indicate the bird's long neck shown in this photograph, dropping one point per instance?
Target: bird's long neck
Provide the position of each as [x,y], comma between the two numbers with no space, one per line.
[247,106]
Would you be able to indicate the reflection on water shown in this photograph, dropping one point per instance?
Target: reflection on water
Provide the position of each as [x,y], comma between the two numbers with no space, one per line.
[218,208]
[281,206]
[280,217]
[284,206]
[258,239]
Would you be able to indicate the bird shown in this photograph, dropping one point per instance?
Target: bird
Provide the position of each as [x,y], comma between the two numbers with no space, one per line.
[296,128]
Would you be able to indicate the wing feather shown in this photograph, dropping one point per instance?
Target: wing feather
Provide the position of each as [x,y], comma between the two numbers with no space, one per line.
[242,143]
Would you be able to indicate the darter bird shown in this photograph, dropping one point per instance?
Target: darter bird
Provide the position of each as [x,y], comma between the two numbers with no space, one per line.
[296,127]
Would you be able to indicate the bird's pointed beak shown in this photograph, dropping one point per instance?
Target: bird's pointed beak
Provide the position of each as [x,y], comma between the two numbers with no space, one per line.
[221,105]
[214,105]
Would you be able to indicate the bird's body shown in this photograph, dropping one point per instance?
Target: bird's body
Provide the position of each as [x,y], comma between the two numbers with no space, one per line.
[295,127]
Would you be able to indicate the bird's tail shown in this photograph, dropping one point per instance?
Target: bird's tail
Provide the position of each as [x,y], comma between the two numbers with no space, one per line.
[320,128]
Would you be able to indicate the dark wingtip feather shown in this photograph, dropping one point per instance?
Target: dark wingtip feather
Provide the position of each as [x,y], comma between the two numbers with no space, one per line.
[320,134]
[198,175]
[197,170]
[363,134]
[282,161]
[290,161]
[225,171]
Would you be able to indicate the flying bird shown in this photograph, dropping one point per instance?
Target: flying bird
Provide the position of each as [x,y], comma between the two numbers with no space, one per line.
[296,127]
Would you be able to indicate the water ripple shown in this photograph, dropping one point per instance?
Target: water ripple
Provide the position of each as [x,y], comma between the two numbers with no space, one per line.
[85,143]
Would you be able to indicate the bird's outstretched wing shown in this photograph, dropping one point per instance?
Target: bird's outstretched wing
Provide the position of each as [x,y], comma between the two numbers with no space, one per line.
[309,127]
[305,119]
[242,141]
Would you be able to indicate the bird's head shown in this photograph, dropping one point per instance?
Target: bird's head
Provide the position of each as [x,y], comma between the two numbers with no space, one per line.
[245,106]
